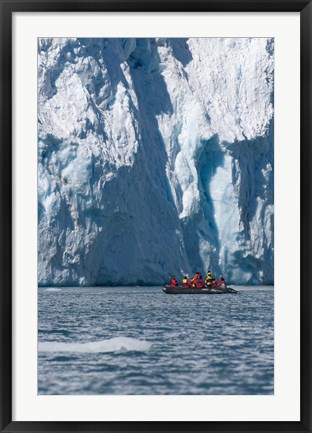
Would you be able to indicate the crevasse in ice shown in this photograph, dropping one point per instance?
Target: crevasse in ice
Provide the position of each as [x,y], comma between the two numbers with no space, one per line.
[155,156]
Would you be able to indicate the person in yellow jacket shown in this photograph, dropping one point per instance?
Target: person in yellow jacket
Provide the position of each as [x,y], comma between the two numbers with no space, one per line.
[185,282]
[209,279]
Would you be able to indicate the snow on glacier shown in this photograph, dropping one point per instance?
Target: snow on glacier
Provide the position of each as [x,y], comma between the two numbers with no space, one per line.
[155,156]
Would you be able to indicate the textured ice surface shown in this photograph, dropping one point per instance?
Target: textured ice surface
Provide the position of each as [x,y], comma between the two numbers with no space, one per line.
[155,157]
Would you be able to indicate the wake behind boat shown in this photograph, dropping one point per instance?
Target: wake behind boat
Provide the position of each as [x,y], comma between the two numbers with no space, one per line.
[179,290]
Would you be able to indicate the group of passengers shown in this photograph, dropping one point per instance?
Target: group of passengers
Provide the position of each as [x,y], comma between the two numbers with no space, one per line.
[198,282]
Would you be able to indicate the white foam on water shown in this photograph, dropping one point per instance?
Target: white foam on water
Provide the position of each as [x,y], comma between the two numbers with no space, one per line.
[233,343]
[117,344]
[52,290]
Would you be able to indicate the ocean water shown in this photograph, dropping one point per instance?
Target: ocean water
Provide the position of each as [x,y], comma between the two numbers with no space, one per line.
[138,340]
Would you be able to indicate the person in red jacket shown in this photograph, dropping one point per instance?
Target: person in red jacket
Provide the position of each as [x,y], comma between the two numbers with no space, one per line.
[214,284]
[200,283]
[194,279]
[222,283]
[173,282]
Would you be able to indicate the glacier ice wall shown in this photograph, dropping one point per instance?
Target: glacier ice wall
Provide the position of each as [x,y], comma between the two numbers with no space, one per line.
[155,156]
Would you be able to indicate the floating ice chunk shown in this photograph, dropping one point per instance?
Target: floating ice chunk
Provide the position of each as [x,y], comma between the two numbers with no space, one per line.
[117,344]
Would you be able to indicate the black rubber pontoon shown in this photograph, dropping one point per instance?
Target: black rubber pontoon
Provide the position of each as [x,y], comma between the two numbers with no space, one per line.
[179,290]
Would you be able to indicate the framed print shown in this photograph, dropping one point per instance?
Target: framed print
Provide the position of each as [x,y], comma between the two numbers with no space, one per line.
[155,216]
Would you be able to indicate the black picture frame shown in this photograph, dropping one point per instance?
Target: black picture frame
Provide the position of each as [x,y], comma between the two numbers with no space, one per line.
[7,9]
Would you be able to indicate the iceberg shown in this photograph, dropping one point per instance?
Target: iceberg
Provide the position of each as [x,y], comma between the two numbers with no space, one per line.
[155,157]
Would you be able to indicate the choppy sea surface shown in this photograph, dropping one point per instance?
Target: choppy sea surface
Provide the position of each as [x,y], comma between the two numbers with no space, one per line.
[138,340]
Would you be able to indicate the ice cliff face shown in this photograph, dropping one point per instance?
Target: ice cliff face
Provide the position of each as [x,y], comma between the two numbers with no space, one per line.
[155,156]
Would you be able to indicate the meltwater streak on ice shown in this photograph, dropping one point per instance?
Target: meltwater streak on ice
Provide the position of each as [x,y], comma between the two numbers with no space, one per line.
[118,344]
